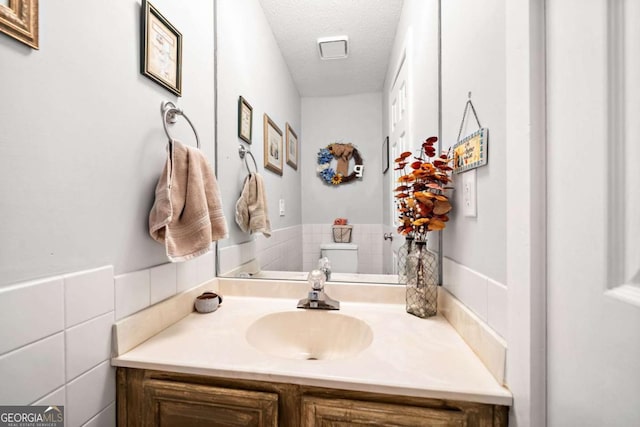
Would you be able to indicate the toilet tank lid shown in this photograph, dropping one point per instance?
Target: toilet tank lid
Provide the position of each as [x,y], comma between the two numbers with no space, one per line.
[339,246]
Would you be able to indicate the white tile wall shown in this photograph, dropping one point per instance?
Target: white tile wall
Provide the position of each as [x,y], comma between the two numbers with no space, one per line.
[281,251]
[90,393]
[55,398]
[497,307]
[32,371]
[88,294]
[163,281]
[106,418]
[33,311]
[55,335]
[484,296]
[193,272]
[88,344]
[133,292]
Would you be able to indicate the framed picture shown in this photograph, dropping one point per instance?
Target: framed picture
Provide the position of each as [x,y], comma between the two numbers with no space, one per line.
[19,19]
[292,147]
[245,120]
[272,146]
[385,155]
[161,50]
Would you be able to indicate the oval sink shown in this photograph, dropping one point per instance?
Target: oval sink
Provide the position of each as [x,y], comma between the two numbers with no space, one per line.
[310,335]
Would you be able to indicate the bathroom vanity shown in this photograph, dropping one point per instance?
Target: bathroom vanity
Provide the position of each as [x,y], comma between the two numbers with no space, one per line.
[259,361]
[161,398]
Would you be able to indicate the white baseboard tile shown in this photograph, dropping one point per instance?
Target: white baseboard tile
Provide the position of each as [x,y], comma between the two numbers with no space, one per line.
[90,394]
[139,327]
[32,371]
[497,300]
[467,285]
[55,398]
[486,297]
[490,348]
[88,344]
[30,311]
[106,418]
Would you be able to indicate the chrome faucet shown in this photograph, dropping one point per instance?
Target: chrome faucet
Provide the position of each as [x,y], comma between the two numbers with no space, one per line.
[317,298]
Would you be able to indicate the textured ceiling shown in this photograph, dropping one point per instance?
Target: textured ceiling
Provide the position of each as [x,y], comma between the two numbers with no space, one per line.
[371,27]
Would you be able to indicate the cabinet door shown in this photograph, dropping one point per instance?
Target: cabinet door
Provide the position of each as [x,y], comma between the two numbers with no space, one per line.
[318,412]
[169,404]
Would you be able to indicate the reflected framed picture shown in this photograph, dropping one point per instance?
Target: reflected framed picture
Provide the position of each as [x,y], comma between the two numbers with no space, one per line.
[385,155]
[272,146]
[245,120]
[292,147]
[161,50]
[19,19]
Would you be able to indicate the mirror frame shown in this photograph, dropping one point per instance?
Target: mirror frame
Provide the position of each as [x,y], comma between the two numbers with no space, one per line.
[20,21]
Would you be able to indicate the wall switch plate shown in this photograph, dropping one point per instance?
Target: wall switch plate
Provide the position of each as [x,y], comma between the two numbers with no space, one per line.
[469,203]
[281,207]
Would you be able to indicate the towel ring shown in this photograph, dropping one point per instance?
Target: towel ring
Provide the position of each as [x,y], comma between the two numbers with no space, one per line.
[169,112]
[242,151]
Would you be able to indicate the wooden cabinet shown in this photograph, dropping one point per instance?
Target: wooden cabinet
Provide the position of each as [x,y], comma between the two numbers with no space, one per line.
[341,412]
[154,398]
[182,404]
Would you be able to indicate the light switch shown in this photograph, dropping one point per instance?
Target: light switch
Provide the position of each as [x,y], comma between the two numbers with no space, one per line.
[281,205]
[469,205]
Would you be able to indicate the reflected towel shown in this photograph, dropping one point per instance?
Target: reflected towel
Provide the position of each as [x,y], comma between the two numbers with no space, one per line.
[187,213]
[252,214]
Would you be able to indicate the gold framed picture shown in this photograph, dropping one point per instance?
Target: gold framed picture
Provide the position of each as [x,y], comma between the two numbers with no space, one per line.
[19,19]
[245,120]
[161,50]
[272,146]
[292,147]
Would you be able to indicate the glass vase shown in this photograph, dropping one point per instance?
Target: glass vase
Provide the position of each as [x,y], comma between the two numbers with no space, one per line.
[422,281]
[403,254]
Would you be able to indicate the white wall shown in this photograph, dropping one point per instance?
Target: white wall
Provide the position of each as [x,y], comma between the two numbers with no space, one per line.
[250,64]
[473,60]
[81,149]
[81,140]
[355,119]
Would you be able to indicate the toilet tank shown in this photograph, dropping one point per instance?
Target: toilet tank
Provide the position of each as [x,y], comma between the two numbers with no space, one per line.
[342,256]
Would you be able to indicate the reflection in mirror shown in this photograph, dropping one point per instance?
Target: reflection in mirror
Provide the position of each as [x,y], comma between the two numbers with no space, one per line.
[268,53]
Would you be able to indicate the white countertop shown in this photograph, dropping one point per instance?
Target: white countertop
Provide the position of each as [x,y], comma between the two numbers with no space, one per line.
[408,355]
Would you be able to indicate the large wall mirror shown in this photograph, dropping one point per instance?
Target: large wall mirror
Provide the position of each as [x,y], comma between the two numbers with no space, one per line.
[383,96]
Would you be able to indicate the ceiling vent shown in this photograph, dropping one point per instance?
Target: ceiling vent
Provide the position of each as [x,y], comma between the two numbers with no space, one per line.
[333,47]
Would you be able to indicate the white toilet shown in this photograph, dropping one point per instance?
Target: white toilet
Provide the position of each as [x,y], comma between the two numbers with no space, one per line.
[342,256]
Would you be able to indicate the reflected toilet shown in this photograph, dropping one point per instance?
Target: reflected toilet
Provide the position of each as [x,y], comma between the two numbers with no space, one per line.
[342,256]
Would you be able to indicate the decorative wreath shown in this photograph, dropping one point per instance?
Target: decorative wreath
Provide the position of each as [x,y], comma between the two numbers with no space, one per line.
[343,153]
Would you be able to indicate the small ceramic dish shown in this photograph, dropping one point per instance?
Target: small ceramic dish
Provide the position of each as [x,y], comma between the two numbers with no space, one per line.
[208,302]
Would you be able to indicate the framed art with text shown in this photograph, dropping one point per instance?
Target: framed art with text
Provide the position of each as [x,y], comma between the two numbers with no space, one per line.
[161,50]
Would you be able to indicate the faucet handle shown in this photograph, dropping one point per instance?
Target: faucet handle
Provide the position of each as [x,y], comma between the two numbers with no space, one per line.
[316,279]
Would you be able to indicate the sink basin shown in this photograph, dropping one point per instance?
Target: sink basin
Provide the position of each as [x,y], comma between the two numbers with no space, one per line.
[310,335]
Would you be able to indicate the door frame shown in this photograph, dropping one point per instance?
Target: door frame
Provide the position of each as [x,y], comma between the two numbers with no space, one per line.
[526,175]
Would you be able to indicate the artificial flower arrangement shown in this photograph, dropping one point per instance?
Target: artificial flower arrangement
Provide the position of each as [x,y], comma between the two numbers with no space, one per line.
[421,203]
